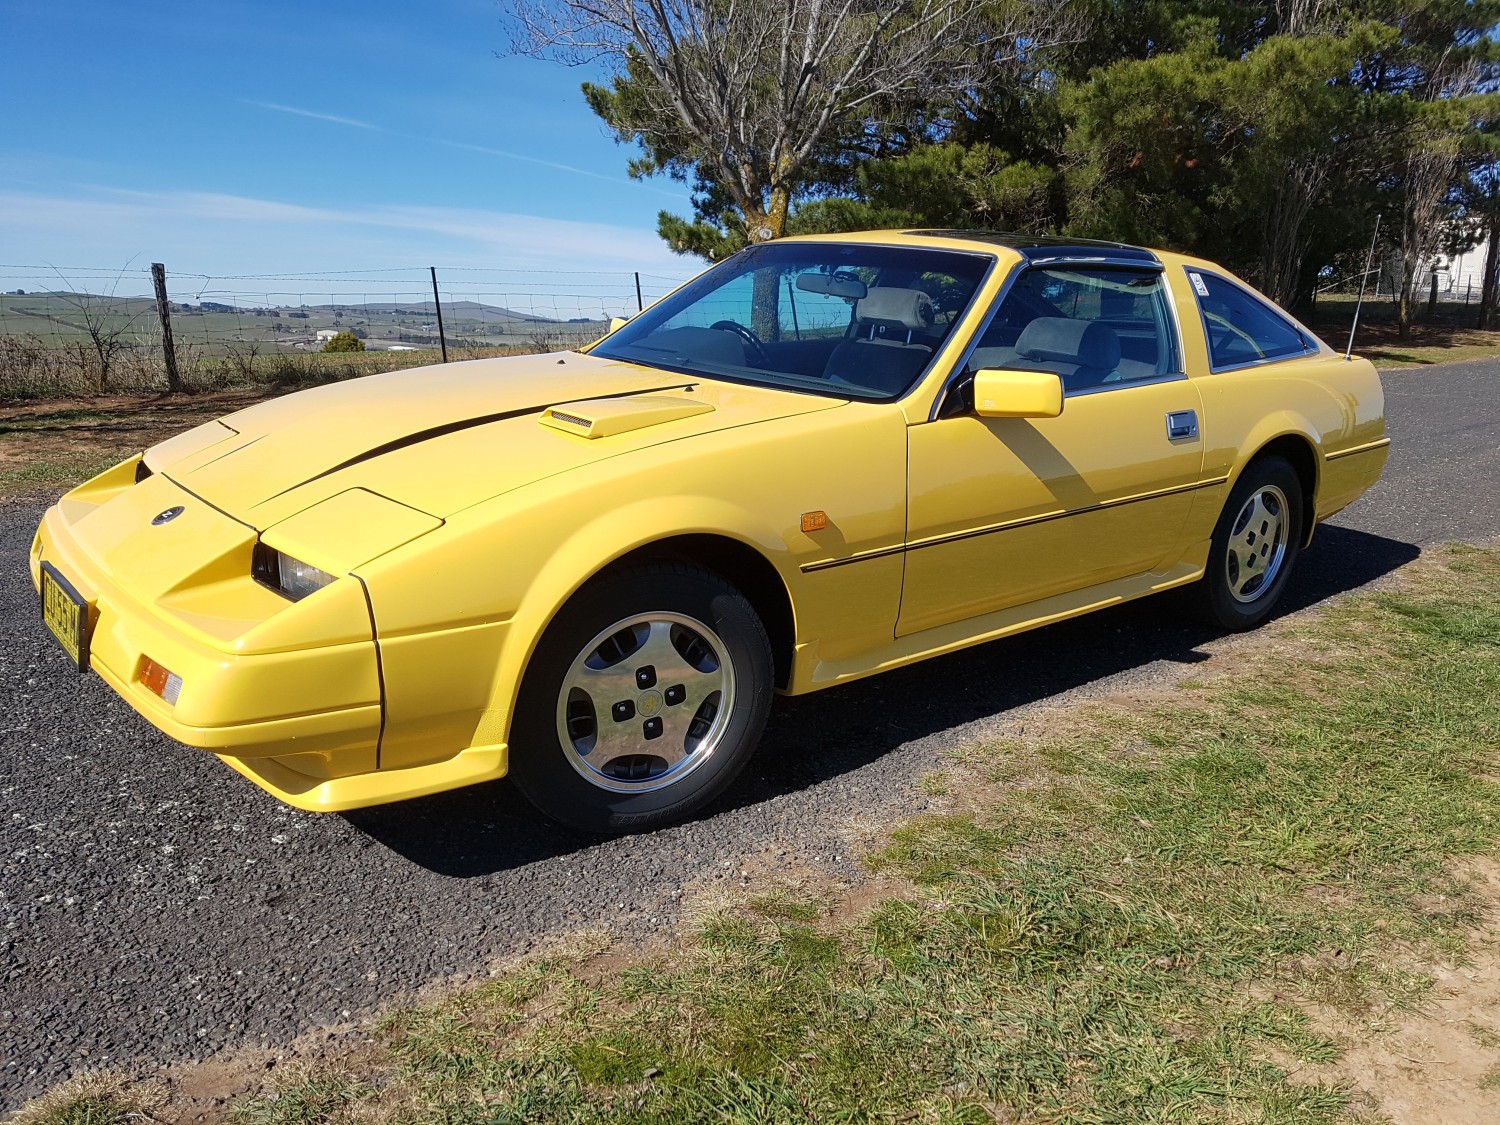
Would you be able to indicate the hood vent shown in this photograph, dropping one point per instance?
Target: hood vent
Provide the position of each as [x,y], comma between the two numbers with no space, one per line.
[600,418]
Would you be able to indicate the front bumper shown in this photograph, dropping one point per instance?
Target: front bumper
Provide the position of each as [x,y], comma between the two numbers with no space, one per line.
[291,695]
[311,714]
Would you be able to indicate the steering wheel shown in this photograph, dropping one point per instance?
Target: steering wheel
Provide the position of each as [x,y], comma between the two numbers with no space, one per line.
[758,355]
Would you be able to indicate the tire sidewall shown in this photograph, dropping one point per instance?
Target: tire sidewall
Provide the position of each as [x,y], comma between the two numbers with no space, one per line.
[1221,604]
[539,766]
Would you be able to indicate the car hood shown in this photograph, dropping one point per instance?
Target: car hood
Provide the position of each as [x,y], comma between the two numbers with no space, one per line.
[440,439]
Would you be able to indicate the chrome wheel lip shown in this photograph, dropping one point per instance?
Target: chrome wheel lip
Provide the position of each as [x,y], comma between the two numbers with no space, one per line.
[1257,544]
[579,678]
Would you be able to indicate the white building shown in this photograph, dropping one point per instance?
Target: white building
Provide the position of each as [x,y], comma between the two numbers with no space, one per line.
[1465,271]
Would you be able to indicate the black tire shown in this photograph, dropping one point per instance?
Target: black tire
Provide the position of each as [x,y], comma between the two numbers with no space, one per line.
[581,765]
[1241,533]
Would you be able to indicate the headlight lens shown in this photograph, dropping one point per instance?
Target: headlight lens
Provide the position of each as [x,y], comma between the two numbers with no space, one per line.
[289,577]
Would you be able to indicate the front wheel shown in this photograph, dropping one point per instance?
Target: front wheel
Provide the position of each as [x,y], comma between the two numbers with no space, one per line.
[1255,545]
[643,701]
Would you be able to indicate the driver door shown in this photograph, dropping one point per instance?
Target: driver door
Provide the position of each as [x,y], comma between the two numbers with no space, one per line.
[1006,511]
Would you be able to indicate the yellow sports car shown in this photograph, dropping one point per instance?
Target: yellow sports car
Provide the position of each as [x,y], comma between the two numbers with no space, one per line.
[590,570]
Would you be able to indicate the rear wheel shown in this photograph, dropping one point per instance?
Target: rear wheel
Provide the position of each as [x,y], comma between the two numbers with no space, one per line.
[1255,545]
[643,701]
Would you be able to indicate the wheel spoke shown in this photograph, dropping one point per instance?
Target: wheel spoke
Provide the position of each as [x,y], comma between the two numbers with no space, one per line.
[1252,522]
[660,654]
[1242,572]
[617,681]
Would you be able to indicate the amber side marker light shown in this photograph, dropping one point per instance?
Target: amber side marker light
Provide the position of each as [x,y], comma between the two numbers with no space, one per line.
[159,681]
[814,521]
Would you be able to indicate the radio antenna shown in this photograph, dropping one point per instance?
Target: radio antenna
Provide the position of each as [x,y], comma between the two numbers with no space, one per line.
[1364,277]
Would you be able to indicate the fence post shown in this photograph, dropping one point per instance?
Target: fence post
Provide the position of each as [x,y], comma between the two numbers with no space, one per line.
[438,305]
[169,353]
[640,305]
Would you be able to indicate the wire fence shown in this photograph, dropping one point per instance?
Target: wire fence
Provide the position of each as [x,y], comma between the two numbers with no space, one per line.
[1453,284]
[90,329]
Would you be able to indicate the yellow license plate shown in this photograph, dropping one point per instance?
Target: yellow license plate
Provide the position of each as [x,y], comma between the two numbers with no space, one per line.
[66,614]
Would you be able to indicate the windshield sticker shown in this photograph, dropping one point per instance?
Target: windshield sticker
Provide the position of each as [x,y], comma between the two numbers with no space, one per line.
[1198,285]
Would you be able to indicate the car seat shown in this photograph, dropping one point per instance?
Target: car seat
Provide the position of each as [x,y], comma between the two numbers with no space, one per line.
[884,354]
[1084,352]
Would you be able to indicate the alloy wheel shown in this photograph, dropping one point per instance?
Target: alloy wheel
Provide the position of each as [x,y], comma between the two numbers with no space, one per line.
[646,702]
[1257,544]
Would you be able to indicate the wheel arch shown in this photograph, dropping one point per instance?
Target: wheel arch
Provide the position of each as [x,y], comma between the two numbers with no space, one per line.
[743,567]
[1300,450]
[720,538]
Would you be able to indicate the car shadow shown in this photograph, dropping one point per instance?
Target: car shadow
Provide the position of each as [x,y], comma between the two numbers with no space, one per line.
[487,828]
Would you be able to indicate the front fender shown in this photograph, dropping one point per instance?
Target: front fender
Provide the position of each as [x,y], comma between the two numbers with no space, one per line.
[597,545]
[459,615]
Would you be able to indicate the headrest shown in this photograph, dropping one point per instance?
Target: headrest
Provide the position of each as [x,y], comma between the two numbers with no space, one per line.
[1059,339]
[910,308]
[832,284]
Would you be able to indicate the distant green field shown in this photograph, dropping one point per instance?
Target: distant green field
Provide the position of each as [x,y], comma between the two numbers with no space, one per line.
[70,319]
[66,344]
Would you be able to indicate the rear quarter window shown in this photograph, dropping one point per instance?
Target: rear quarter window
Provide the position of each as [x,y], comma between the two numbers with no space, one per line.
[1241,328]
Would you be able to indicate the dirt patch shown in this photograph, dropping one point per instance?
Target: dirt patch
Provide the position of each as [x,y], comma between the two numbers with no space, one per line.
[779,873]
[1441,1064]
[201,1093]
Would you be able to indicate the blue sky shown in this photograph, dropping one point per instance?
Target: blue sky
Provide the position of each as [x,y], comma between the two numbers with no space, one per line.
[230,138]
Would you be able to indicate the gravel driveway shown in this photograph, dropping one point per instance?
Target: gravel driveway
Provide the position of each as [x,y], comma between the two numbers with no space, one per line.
[156,904]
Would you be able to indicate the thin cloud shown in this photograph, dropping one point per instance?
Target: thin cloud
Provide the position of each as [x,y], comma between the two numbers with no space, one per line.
[314,114]
[463,236]
[508,155]
[504,154]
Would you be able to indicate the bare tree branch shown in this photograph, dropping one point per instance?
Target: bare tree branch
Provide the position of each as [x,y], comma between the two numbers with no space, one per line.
[751,89]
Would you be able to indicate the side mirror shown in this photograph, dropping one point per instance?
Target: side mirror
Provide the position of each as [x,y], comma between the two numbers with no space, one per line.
[1017,394]
[616,323]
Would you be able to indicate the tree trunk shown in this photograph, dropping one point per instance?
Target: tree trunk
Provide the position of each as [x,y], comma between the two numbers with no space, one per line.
[1404,302]
[1282,247]
[1431,293]
[765,226]
[1491,265]
[765,302]
[765,305]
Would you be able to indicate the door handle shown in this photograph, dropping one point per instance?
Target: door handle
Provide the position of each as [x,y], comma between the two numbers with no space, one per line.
[1182,425]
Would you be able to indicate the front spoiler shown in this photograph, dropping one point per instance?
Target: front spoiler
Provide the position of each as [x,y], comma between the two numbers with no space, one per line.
[339,794]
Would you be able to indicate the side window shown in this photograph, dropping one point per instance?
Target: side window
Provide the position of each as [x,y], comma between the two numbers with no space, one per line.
[1241,328]
[1098,327]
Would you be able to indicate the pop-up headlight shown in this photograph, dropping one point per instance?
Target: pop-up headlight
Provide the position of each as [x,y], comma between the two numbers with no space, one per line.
[340,534]
[289,577]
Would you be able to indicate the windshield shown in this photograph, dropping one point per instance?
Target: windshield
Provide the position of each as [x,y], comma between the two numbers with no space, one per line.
[836,318]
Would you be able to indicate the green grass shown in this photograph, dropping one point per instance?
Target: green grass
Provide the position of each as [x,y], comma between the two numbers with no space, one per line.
[1424,353]
[59,471]
[1134,920]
